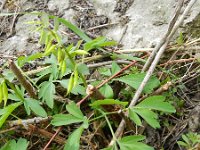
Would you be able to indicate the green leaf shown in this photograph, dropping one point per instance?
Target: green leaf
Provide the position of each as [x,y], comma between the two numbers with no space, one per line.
[78,89]
[35,107]
[134,80]
[105,71]
[115,68]
[74,28]
[149,116]
[132,143]
[132,138]
[7,111]
[8,75]
[107,43]
[98,43]
[73,142]
[65,119]
[185,138]
[107,91]
[11,145]
[47,91]
[74,110]
[21,144]
[27,108]
[134,117]
[70,84]
[56,24]
[157,103]
[180,39]
[98,103]
[45,19]
[83,69]
[181,143]
[24,59]
[108,148]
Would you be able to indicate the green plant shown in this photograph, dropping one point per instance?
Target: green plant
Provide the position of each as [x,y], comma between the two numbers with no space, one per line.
[63,68]
[21,144]
[190,141]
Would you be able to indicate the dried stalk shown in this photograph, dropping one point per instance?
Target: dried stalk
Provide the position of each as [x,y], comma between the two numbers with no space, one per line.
[25,83]
[28,121]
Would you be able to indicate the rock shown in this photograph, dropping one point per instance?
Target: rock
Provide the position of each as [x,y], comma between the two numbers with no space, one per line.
[24,39]
[60,5]
[148,21]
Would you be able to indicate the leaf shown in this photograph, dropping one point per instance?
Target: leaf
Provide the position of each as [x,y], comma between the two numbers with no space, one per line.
[45,19]
[24,59]
[83,69]
[1,93]
[5,92]
[8,75]
[93,43]
[134,117]
[115,68]
[107,43]
[79,52]
[22,144]
[157,103]
[132,138]
[10,145]
[134,80]
[70,84]
[105,71]
[7,111]
[149,116]
[74,28]
[98,103]
[47,91]
[35,107]
[107,91]
[108,148]
[56,24]
[181,143]
[132,143]
[185,138]
[73,142]
[64,119]
[73,109]
[27,108]
[78,89]
[180,39]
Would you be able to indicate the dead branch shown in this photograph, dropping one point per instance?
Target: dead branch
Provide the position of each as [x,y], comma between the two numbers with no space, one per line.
[26,84]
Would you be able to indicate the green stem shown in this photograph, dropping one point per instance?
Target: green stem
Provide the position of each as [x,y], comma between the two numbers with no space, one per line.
[109,125]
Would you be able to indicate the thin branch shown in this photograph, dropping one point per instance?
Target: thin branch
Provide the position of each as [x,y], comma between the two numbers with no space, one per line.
[46,134]
[53,137]
[26,122]
[177,61]
[159,45]
[107,80]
